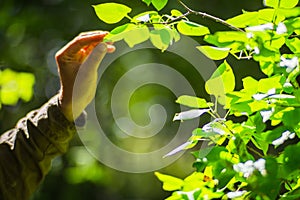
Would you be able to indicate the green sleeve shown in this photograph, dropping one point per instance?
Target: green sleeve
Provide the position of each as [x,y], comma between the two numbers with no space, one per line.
[27,150]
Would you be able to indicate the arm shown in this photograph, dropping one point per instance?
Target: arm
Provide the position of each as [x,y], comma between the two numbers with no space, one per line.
[27,150]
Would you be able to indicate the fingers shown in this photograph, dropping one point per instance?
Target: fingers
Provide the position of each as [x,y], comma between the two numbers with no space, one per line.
[96,56]
[84,39]
[91,38]
[110,48]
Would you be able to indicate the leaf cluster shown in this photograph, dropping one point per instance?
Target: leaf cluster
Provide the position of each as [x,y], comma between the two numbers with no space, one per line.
[255,158]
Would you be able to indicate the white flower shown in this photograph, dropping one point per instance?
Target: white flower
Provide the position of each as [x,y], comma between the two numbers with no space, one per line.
[250,35]
[266,114]
[287,84]
[284,136]
[262,96]
[260,165]
[290,64]
[249,166]
[215,127]
[232,195]
[281,28]
[264,2]
[190,114]
[144,18]
[256,50]
[263,27]
[248,47]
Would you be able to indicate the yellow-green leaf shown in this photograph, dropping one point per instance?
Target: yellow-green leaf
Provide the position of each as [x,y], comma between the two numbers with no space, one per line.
[160,38]
[288,3]
[221,82]
[159,4]
[111,13]
[194,102]
[170,183]
[191,28]
[244,20]
[214,53]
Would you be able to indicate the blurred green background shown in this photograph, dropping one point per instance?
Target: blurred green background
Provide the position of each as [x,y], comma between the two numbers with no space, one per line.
[31,31]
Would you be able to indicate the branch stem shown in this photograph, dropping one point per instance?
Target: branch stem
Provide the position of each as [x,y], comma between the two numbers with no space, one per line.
[205,15]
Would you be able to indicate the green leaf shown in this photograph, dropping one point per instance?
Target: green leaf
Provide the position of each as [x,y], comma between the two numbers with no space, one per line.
[244,20]
[288,3]
[176,13]
[131,33]
[293,44]
[265,84]
[291,118]
[148,2]
[191,28]
[199,132]
[170,183]
[160,38]
[111,13]
[137,35]
[272,3]
[194,102]
[214,53]
[118,33]
[289,12]
[221,82]
[291,161]
[159,4]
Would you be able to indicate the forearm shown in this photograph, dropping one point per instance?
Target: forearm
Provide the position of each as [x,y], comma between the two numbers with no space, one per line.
[37,139]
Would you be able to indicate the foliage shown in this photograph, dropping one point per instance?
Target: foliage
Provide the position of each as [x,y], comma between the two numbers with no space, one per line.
[15,86]
[249,158]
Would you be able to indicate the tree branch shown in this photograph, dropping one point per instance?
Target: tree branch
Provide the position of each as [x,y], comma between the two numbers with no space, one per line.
[190,11]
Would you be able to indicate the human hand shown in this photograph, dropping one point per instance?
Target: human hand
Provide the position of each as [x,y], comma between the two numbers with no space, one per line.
[77,63]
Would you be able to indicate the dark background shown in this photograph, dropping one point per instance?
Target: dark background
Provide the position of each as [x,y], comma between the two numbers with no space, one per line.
[30,34]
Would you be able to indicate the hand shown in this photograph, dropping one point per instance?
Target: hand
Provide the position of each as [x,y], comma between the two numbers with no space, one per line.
[77,64]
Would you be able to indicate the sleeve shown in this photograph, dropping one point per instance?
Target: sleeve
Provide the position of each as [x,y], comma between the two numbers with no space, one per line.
[27,150]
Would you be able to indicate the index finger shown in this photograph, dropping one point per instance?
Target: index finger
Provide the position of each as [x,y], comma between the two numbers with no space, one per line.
[82,40]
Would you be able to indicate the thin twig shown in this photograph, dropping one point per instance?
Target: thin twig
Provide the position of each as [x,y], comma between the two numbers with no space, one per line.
[254,151]
[190,11]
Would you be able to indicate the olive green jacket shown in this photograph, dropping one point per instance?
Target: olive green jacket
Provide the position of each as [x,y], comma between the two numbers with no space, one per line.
[27,150]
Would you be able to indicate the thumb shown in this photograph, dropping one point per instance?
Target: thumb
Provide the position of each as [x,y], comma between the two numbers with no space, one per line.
[96,56]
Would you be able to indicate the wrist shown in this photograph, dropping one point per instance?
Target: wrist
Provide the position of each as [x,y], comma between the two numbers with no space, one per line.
[66,107]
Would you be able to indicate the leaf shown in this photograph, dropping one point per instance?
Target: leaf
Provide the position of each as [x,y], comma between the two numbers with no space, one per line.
[144,16]
[111,13]
[176,13]
[291,161]
[293,44]
[159,4]
[272,3]
[244,20]
[184,146]
[214,53]
[170,183]
[131,33]
[160,38]
[148,2]
[288,3]
[137,35]
[266,84]
[194,102]
[205,134]
[190,114]
[221,82]
[191,28]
